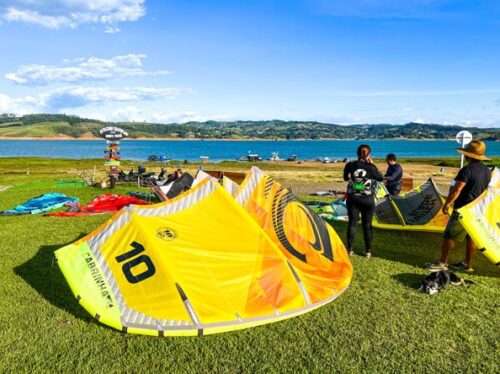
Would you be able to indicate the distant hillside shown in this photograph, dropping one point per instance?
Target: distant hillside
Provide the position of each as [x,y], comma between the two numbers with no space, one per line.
[63,126]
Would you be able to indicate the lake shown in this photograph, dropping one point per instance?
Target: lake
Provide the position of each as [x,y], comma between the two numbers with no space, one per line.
[231,150]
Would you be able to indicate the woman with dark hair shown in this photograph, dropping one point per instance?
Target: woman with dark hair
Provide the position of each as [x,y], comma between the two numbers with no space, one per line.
[361,176]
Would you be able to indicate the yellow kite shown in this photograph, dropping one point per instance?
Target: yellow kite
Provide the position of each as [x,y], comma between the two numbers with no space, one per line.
[311,246]
[481,219]
[200,264]
[417,210]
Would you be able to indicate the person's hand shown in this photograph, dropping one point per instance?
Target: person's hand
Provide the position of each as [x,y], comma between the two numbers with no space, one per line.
[445,209]
[369,160]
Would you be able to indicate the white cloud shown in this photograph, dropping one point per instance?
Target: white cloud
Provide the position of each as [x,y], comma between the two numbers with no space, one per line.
[111,30]
[139,114]
[414,93]
[129,113]
[183,117]
[75,97]
[82,69]
[393,117]
[57,14]
[35,18]
[6,104]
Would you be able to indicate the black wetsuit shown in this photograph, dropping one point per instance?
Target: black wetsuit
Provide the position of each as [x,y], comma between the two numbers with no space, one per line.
[360,199]
[393,178]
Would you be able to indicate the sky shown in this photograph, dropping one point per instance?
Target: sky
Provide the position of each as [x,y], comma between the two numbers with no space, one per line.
[336,61]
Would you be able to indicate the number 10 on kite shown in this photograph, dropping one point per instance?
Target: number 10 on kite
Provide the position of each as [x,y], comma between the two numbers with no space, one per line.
[133,260]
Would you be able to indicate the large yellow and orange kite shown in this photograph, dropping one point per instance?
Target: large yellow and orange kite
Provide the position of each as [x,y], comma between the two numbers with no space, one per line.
[207,262]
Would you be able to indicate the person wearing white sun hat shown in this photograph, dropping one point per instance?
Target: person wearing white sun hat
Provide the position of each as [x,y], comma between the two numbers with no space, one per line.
[469,183]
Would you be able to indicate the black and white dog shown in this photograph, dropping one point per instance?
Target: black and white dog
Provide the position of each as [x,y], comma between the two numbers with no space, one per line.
[438,280]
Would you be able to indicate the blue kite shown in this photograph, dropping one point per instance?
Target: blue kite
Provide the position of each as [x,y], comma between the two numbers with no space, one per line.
[41,204]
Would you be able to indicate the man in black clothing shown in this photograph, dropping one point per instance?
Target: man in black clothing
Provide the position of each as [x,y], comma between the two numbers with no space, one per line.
[393,175]
[361,175]
[469,183]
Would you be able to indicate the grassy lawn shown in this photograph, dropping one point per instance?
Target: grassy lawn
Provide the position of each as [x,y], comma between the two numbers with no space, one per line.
[380,324]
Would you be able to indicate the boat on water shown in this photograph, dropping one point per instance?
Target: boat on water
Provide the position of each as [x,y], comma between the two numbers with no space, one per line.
[252,157]
[274,157]
[160,158]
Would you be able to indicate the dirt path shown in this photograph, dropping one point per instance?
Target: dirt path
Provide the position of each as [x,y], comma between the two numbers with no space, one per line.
[304,179]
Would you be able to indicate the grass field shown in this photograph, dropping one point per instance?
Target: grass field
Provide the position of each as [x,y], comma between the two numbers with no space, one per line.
[380,324]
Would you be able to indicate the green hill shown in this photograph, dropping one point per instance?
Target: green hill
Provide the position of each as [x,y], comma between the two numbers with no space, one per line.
[60,125]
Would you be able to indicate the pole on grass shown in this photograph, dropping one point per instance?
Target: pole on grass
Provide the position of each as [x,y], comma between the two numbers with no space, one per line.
[463,138]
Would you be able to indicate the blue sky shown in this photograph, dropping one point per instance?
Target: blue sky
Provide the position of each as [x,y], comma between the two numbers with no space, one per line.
[357,61]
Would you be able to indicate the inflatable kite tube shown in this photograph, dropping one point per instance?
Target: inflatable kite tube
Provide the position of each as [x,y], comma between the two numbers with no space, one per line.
[200,264]
[481,220]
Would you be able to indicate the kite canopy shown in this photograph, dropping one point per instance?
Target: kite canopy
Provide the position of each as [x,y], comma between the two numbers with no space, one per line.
[204,263]
[311,246]
[417,210]
[229,185]
[105,203]
[335,210]
[481,219]
[42,203]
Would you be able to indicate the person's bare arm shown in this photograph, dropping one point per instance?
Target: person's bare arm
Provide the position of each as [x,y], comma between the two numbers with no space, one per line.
[454,193]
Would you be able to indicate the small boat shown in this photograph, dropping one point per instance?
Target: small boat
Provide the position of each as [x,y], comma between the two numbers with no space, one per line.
[275,157]
[161,158]
[292,158]
[324,160]
[252,157]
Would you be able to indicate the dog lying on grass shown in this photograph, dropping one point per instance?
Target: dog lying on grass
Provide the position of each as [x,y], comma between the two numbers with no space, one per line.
[438,280]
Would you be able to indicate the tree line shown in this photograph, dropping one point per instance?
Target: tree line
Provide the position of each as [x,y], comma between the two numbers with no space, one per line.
[271,129]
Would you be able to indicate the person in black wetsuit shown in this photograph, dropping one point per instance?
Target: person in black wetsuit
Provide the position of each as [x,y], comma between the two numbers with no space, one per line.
[361,176]
[392,177]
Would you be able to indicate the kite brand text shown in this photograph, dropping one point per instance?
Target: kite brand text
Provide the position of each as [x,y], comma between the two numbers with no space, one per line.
[99,280]
[427,205]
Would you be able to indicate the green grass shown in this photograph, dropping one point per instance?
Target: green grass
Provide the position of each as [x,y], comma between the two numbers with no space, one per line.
[380,324]
[38,130]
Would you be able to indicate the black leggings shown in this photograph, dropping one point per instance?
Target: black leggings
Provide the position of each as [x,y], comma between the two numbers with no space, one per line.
[365,206]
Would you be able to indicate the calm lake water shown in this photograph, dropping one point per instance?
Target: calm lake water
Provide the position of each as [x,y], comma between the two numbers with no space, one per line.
[231,150]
